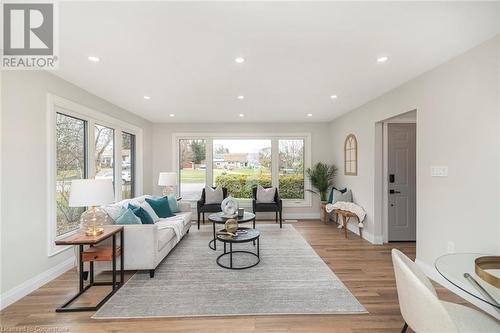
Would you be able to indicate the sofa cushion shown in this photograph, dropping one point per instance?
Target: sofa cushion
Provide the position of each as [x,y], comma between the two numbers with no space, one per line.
[114,211]
[128,217]
[142,214]
[147,207]
[212,208]
[172,202]
[160,206]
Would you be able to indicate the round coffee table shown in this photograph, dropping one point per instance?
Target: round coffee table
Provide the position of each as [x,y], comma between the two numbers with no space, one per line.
[216,218]
[243,235]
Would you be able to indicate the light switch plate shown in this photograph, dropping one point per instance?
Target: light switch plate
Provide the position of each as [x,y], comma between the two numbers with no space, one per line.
[439,171]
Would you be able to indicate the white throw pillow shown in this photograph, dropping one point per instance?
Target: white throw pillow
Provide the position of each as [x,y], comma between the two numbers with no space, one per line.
[265,195]
[147,207]
[213,196]
[114,211]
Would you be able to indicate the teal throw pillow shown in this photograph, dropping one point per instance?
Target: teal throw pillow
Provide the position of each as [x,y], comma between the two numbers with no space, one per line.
[172,202]
[142,214]
[128,217]
[160,206]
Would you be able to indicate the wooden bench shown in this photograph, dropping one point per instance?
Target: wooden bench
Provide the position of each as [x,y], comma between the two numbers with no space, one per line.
[346,216]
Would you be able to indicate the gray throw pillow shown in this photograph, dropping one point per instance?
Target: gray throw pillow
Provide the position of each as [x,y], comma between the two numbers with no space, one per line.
[339,196]
[213,196]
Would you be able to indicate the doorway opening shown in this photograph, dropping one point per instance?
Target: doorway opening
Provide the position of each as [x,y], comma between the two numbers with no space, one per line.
[399,205]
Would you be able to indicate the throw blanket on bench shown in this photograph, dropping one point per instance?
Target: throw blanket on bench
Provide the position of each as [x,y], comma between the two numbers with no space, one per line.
[350,207]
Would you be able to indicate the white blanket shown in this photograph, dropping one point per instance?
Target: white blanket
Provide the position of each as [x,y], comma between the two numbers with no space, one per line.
[350,207]
[174,223]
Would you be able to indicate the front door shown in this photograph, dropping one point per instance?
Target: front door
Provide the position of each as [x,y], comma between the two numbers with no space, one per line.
[402,182]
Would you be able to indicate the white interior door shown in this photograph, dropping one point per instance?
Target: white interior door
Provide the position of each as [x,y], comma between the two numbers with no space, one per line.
[402,182]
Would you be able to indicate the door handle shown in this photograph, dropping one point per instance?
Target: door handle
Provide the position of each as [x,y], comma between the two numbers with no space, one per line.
[393,192]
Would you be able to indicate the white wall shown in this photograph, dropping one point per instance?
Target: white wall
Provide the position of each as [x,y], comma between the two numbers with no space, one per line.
[24,168]
[163,154]
[458,125]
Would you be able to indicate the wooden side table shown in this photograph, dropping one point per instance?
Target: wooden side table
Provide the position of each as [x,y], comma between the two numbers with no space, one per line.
[95,253]
[346,216]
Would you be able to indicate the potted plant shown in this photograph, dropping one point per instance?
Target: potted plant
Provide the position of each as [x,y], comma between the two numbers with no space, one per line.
[321,176]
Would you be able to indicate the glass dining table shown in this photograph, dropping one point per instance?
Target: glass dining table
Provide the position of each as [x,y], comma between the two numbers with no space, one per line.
[459,270]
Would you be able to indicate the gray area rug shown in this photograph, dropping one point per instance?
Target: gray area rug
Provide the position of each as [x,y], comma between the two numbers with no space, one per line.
[290,279]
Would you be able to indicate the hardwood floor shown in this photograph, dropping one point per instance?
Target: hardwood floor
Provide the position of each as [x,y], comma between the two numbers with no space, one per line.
[364,268]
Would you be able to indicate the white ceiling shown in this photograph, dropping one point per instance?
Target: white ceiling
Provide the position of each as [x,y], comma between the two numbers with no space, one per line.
[297,54]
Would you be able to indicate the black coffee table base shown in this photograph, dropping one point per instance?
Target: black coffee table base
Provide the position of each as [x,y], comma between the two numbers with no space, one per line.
[217,219]
[230,254]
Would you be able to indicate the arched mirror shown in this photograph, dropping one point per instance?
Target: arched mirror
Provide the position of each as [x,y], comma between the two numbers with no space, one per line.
[351,156]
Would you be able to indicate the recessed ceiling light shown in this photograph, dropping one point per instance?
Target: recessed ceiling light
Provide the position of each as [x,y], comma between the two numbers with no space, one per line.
[241,97]
[382,59]
[93,58]
[309,114]
[147,97]
[242,115]
[171,115]
[239,60]
[333,96]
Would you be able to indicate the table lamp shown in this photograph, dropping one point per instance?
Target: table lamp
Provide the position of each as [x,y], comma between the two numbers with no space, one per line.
[91,193]
[169,180]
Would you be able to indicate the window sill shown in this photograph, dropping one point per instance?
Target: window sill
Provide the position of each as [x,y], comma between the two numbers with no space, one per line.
[56,249]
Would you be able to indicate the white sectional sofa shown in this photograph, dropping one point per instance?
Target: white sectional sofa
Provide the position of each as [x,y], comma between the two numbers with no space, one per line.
[146,245]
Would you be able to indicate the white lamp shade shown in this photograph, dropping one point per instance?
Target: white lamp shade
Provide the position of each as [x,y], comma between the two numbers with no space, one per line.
[167,179]
[91,192]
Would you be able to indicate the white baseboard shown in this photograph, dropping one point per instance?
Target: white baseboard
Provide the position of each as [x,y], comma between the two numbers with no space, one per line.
[366,235]
[434,275]
[19,291]
[301,216]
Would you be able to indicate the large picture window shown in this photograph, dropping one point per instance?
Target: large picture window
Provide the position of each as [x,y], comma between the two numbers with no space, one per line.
[71,164]
[240,162]
[83,143]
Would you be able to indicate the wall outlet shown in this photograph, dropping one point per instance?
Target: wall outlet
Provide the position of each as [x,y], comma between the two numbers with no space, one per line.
[439,171]
[450,247]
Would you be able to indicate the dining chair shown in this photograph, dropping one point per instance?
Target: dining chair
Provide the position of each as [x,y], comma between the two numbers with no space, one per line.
[424,312]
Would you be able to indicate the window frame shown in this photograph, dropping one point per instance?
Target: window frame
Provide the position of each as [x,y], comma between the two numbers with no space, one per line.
[274,137]
[56,104]
[132,162]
